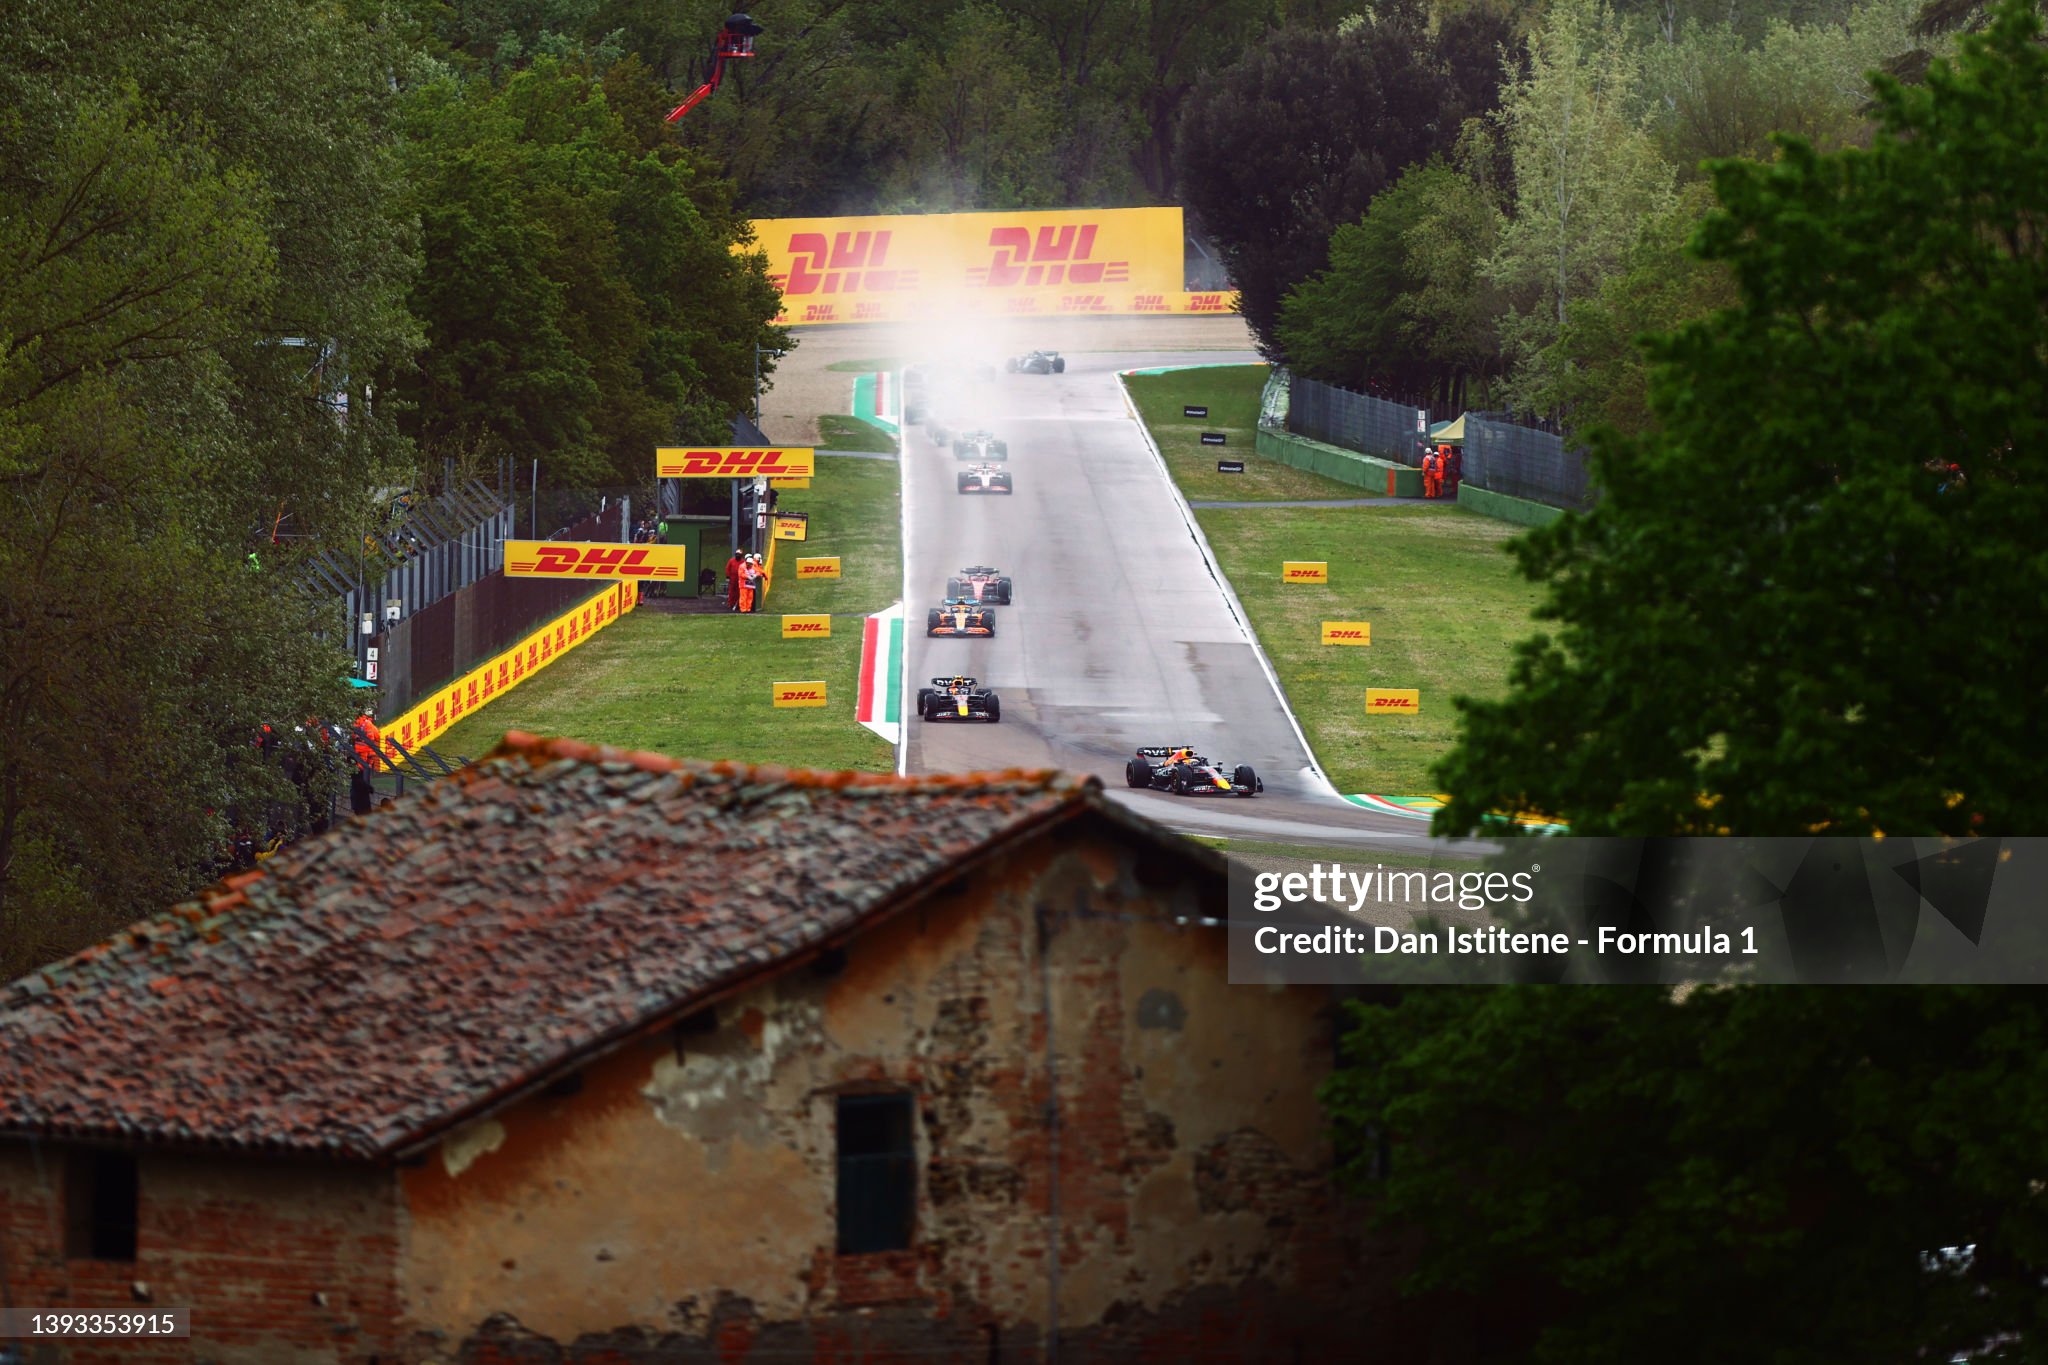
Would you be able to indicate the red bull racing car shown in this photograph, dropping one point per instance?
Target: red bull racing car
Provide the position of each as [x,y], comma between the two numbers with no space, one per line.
[986,478]
[1182,771]
[982,583]
[960,616]
[1037,362]
[958,699]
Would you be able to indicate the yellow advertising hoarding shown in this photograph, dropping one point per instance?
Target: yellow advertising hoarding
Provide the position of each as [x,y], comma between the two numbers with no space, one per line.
[1347,632]
[1385,701]
[792,526]
[789,483]
[822,567]
[566,559]
[911,267]
[733,462]
[799,693]
[1304,571]
[811,626]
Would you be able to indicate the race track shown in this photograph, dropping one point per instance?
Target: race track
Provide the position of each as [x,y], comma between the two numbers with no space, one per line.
[1119,635]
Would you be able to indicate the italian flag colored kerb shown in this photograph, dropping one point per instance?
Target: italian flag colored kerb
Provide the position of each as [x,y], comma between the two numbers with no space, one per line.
[880,704]
[874,401]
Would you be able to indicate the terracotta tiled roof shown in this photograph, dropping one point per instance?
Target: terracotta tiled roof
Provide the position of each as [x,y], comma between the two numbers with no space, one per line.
[363,989]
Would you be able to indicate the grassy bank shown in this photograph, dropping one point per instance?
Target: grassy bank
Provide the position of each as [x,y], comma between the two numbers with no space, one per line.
[697,686]
[837,431]
[1231,393]
[1444,603]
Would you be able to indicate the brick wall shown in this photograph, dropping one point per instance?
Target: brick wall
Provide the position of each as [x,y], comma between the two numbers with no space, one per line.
[277,1261]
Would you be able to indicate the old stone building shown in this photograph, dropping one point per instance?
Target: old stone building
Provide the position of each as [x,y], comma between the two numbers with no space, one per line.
[603,1057]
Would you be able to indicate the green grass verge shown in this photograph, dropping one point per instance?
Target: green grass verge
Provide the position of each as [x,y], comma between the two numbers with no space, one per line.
[890,363]
[837,431]
[1446,607]
[696,686]
[1231,393]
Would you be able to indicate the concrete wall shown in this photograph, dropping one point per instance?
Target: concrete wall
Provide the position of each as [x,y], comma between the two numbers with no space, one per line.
[1366,471]
[684,1199]
[280,1263]
[1518,510]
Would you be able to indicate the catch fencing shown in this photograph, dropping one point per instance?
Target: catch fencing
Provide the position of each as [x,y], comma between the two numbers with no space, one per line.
[1500,455]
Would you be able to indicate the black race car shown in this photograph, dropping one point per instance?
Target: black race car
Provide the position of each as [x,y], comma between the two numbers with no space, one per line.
[979,445]
[985,478]
[982,583]
[1184,772]
[1037,362]
[958,699]
[960,616]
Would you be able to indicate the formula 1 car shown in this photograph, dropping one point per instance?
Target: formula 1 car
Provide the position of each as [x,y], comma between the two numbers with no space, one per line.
[979,445]
[1037,362]
[958,699]
[960,616]
[981,583]
[985,478]
[1184,772]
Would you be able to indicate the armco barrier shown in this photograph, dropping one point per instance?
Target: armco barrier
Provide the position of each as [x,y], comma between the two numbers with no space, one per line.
[1346,466]
[1520,511]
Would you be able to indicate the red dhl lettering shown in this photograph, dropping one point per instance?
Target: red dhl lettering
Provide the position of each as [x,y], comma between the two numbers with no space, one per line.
[1208,303]
[863,311]
[1304,573]
[851,262]
[1394,703]
[1084,303]
[802,627]
[805,695]
[1148,303]
[731,464]
[1347,635]
[1058,255]
[815,571]
[818,312]
[604,561]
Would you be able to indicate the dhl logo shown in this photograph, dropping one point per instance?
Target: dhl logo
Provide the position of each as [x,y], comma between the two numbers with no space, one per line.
[553,559]
[1304,571]
[819,312]
[818,568]
[1347,633]
[812,627]
[850,261]
[1393,699]
[1149,303]
[1208,303]
[798,694]
[734,462]
[1083,303]
[1057,255]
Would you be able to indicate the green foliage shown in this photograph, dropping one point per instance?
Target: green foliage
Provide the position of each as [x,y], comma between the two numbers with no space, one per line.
[1809,600]
[1605,1176]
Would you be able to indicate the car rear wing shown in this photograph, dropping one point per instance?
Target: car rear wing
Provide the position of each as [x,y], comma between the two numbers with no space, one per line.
[979,568]
[948,682]
[1165,750]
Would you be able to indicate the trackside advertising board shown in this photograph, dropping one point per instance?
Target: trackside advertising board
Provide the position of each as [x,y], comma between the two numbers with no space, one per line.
[799,693]
[1347,632]
[452,701]
[734,462]
[813,626]
[562,559]
[1393,701]
[823,566]
[1304,571]
[908,267]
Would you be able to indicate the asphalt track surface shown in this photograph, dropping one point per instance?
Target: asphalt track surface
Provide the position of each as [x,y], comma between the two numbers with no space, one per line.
[1119,635]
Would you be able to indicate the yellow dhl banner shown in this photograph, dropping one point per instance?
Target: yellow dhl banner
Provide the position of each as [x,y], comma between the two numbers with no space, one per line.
[450,703]
[1384,701]
[560,559]
[799,693]
[822,567]
[1347,632]
[789,527]
[1304,571]
[789,483]
[807,627]
[734,462]
[908,267]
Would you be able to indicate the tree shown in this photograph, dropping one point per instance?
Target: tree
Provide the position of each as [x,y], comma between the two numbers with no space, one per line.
[1605,1176]
[1586,173]
[1298,138]
[1806,602]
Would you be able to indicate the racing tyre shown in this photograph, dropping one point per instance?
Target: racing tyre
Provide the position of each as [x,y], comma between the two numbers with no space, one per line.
[1003,591]
[990,622]
[924,701]
[1137,773]
[995,709]
[1060,366]
[954,587]
[999,450]
[931,622]
[1180,784]
[1243,776]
